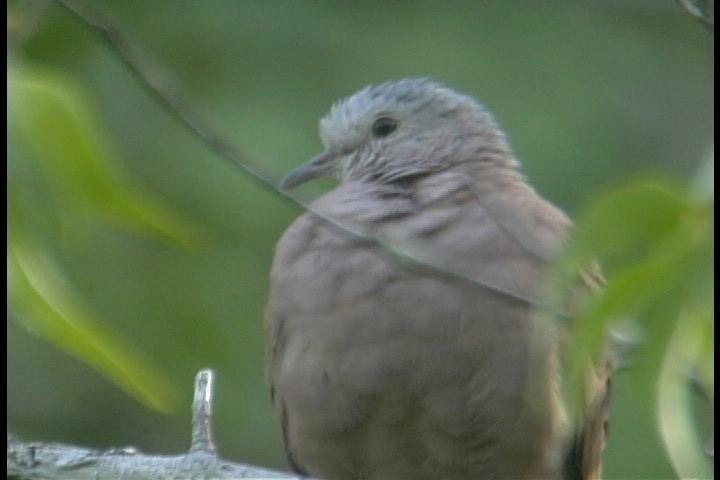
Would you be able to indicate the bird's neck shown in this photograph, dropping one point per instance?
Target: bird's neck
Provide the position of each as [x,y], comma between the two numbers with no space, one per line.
[491,167]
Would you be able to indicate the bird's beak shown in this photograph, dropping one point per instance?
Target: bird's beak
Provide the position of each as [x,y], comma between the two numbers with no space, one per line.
[319,166]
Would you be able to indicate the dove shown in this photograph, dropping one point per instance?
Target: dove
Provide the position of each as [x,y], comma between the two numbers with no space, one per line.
[437,364]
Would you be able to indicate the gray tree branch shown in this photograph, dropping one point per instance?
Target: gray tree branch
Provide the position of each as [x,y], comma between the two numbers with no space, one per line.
[49,461]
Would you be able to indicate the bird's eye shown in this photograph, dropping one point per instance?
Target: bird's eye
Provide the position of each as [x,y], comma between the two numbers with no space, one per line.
[384,126]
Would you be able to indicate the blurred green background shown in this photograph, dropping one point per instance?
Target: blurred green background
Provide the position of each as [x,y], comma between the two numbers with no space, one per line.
[590,94]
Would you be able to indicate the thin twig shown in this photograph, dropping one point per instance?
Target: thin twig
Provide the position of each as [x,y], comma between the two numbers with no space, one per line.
[150,77]
[703,10]
[202,413]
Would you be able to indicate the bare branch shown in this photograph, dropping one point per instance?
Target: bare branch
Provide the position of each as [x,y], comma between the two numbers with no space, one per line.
[703,10]
[155,82]
[49,461]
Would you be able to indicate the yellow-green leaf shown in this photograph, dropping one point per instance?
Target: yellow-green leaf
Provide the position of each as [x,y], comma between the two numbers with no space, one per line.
[58,122]
[47,306]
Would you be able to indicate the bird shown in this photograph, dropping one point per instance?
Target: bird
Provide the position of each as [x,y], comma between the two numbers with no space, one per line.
[433,363]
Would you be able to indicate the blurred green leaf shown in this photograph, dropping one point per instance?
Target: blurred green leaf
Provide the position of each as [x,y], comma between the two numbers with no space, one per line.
[703,190]
[47,306]
[661,238]
[59,124]
[634,216]
[675,416]
[628,295]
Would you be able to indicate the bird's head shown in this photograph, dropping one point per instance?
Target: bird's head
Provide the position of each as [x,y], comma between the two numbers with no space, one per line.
[402,130]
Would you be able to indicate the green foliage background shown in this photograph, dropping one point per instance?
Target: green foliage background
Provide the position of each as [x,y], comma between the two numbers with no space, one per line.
[165,250]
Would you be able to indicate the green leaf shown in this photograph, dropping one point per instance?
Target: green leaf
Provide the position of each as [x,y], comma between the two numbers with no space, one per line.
[633,217]
[674,413]
[664,240]
[47,306]
[627,296]
[57,121]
